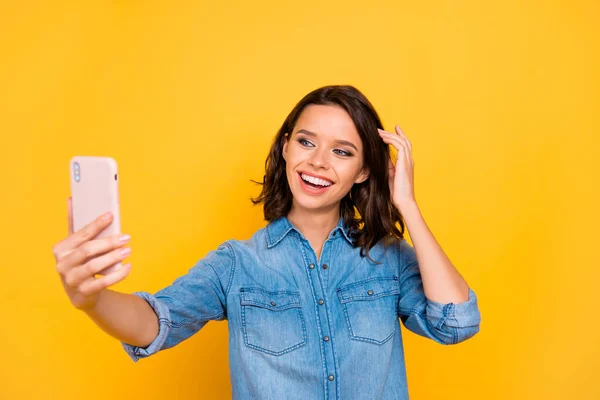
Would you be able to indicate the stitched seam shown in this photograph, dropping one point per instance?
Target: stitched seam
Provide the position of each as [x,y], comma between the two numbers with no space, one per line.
[374,296]
[232,270]
[359,283]
[331,332]
[188,323]
[363,338]
[246,302]
[399,258]
[256,289]
[276,353]
[386,292]
[321,345]
[268,237]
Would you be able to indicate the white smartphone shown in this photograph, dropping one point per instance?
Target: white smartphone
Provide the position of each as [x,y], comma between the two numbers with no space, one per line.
[94,191]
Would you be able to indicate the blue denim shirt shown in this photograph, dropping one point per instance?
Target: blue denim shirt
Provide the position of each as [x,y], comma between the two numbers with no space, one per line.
[307,328]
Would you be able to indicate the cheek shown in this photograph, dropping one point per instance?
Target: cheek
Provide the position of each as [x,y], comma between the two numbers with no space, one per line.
[348,174]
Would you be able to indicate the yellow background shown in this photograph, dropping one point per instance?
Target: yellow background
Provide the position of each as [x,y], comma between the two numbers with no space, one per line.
[500,101]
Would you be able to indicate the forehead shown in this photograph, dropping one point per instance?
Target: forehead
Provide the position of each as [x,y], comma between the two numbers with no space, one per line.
[328,122]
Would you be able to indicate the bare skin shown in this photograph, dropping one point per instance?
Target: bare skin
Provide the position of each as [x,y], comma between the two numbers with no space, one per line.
[332,149]
[79,257]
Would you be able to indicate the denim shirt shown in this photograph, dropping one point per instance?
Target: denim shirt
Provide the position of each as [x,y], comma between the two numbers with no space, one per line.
[307,328]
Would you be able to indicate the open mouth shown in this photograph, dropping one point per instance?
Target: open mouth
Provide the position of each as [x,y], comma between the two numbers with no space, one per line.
[313,182]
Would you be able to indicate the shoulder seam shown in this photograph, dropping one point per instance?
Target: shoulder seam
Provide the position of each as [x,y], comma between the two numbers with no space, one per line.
[232,269]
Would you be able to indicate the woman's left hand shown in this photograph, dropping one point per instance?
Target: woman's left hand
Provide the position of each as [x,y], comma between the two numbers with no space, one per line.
[401,175]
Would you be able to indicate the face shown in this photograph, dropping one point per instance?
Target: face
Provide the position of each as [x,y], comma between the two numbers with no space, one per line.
[324,157]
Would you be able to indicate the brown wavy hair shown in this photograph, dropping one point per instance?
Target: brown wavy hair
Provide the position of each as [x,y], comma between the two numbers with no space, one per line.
[367,209]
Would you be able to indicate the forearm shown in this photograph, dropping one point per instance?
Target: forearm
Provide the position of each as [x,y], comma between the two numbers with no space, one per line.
[126,317]
[441,281]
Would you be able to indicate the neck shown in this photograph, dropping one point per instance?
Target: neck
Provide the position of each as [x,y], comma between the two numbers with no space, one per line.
[314,223]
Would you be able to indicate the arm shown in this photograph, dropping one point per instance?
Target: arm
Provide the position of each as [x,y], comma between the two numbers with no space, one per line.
[126,317]
[435,301]
[441,281]
[188,304]
[432,301]
[445,323]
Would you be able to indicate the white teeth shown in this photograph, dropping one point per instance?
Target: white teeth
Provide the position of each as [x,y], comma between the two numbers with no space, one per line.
[316,181]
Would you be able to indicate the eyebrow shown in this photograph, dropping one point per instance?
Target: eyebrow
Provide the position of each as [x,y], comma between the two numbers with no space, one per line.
[339,141]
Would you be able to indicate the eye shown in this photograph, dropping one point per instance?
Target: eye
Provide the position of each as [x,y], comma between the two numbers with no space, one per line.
[302,141]
[343,153]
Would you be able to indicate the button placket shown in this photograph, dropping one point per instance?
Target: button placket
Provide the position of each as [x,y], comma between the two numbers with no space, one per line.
[319,283]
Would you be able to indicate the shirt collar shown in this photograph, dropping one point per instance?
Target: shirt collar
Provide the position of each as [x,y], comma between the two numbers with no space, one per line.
[278,228]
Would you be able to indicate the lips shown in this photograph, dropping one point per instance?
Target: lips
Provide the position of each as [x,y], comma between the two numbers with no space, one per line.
[309,189]
[315,176]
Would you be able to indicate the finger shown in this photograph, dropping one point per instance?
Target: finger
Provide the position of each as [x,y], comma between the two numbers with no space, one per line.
[395,141]
[95,285]
[401,133]
[408,148]
[83,235]
[395,136]
[88,250]
[70,215]
[399,143]
[78,275]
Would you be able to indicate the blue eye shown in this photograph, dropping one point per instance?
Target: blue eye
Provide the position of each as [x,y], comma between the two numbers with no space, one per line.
[303,140]
[344,153]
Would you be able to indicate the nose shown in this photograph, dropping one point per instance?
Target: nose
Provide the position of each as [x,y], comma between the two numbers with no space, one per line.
[318,160]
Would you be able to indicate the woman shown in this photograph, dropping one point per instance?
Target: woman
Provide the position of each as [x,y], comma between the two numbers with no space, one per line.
[313,300]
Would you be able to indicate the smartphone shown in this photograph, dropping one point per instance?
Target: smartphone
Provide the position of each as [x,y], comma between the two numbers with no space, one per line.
[94,191]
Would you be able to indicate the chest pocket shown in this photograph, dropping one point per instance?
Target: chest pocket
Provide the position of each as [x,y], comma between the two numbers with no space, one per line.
[370,308]
[272,322]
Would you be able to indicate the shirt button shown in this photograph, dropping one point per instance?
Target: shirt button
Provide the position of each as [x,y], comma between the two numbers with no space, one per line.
[272,303]
[321,301]
[311,266]
[326,338]
[370,292]
[330,377]
[324,266]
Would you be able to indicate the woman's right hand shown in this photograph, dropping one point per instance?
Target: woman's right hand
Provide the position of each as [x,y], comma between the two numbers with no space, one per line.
[79,257]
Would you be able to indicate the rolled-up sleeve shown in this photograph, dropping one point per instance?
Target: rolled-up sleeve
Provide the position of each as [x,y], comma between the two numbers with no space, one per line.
[449,323]
[190,302]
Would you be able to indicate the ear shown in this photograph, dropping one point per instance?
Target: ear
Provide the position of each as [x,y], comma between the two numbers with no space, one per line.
[285,144]
[364,175]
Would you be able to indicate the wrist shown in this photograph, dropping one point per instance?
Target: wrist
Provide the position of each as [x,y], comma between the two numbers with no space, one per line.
[407,207]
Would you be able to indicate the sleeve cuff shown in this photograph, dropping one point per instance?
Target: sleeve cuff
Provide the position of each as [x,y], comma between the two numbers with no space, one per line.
[457,315]
[164,326]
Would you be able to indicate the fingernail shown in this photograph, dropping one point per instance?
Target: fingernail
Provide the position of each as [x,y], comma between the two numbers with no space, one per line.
[124,238]
[106,216]
[126,251]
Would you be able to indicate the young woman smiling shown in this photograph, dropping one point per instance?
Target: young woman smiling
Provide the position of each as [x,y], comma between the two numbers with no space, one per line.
[314,299]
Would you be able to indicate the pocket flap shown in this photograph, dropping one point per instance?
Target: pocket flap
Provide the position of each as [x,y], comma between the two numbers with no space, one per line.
[369,289]
[280,300]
